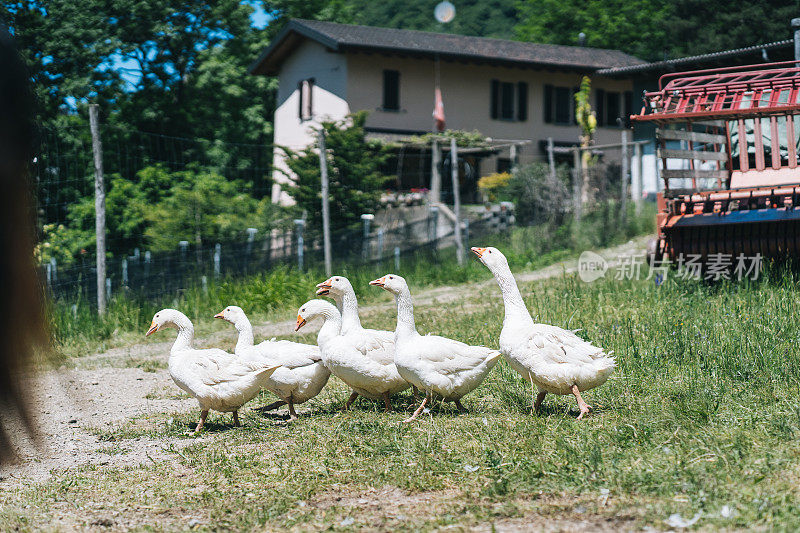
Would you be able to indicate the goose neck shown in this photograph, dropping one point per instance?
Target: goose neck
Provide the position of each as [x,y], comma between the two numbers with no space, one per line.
[185,334]
[512,299]
[405,314]
[330,328]
[245,329]
[347,304]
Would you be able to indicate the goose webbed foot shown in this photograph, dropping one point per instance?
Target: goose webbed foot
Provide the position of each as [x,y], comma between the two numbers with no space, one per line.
[416,413]
[236,419]
[584,407]
[199,428]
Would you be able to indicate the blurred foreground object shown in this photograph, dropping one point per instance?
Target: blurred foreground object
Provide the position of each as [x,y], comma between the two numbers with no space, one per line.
[22,330]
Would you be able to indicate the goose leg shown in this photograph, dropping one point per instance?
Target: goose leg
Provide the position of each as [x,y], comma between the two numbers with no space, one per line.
[350,400]
[540,399]
[417,412]
[292,413]
[415,393]
[387,403]
[272,406]
[236,419]
[584,407]
[461,408]
[203,415]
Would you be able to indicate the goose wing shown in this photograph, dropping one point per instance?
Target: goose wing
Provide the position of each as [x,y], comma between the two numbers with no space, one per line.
[451,357]
[375,344]
[217,367]
[560,346]
[287,353]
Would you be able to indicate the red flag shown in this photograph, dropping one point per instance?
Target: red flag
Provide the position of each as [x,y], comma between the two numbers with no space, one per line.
[438,110]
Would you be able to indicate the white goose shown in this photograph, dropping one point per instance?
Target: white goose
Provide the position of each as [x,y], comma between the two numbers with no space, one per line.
[217,379]
[302,374]
[361,373]
[375,344]
[554,359]
[436,365]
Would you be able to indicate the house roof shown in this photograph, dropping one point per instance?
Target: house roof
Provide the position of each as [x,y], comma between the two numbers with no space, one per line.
[347,37]
[747,54]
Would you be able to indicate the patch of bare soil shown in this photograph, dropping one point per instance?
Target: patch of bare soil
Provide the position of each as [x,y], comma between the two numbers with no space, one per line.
[390,508]
[72,407]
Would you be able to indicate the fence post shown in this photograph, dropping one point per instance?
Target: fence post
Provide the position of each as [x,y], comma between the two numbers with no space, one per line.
[125,273]
[99,207]
[217,259]
[396,258]
[326,210]
[251,237]
[457,199]
[638,182]
[54,264]
[576,183]
[624,176]
[433,223]
[147,260]
[436,179]
[366,218]
[380,242]
[301,224]
[108,288]
[551,158]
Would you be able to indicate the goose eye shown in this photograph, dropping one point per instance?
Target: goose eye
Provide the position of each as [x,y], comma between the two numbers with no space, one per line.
[335,279]
[391,277]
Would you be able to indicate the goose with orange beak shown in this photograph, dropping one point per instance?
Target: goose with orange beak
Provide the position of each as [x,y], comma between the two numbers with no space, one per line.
[375,344]
[302,374]
[217,379]
[554,359]
[436,365]
[359,372]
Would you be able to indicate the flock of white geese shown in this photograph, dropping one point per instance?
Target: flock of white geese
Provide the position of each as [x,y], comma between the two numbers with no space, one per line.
[377,364]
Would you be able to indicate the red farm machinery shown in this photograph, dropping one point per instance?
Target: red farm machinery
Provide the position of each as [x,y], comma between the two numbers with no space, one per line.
[729,143]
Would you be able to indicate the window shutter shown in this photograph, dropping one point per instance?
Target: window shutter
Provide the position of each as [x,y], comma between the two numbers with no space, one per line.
[495,97]
[628,107]
[600,107]
[300,100]
[391,90]
[522,101]
[548,104]
[311,98]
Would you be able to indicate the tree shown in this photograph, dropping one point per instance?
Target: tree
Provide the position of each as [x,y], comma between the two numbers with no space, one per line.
[354,173]
[586,119]
[634,26]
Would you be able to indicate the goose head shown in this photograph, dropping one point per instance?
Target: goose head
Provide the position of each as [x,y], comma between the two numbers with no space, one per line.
[231,313]
[390,282]
[335,286]
[313,309]
[166,318]
[491,257]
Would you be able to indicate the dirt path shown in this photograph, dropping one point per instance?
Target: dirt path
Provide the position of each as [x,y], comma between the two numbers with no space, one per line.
[75,407]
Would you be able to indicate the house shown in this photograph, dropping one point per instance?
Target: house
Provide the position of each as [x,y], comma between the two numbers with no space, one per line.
[507,90]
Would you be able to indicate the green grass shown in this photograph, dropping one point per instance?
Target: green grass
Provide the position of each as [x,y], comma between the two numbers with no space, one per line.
[276,294]
[702,415]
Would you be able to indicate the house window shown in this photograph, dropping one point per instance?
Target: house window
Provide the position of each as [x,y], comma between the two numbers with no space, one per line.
[391,90]
[305,90]
[509,101]
[613,108]
[558,108]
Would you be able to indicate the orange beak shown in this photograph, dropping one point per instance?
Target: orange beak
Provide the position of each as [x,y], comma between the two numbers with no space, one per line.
[221,314]
[324,287]
[478,251]
[153,329]
[300,323]
[380,282]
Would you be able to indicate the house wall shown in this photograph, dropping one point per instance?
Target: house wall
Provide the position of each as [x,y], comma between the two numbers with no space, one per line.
[329,97]
[466,93]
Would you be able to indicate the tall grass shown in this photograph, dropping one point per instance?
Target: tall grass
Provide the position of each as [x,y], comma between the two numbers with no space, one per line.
[77,329]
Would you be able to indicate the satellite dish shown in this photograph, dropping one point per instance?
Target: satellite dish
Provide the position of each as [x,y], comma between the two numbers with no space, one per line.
[444,12]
